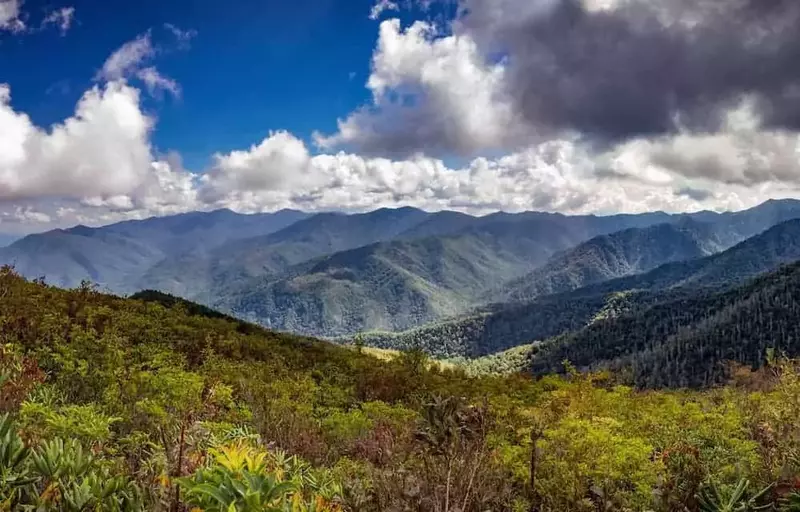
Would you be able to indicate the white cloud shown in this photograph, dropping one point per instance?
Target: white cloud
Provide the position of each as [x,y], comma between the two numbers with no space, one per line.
[102,150]
[130,61]
[382,6]
[279,162]
[429,93]
[557,175]
[62,18]
[742,153]
[156,82]
[279,172]
[126,60]
[25,215]
[10,16]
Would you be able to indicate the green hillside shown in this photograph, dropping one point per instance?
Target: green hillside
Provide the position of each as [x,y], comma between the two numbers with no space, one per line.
[127,405]
[627,252]
[505,325]
[388,286]
[684,341]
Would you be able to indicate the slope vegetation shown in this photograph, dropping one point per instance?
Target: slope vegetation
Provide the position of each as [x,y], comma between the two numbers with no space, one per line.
[505,325]
[627,252]
[685,341]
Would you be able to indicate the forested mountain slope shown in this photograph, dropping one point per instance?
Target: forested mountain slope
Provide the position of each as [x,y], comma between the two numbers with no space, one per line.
[505,325]
[405,280]
[402,284]
[495,329]
[631,251]
[686,341]
[116,256]
[776,246]
[389,285]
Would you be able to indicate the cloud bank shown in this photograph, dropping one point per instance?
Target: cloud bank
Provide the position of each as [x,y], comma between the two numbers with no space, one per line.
[577,106]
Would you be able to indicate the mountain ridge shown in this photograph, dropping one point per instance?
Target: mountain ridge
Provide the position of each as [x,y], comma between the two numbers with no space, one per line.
[267,266]
[500,326]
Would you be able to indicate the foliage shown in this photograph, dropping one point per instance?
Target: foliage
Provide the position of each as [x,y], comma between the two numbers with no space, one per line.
[242,478]
[124,404]
[735,499]
[684,341]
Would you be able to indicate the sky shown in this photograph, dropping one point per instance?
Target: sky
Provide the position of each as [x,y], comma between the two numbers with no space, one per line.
[120,110]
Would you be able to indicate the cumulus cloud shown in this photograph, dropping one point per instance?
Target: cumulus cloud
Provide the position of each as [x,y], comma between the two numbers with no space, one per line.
[102,150]
[557,175]
[608,70]
[429,94]
[100,157]
[743,153]
[10,16]
[281,161]
[24,215]
[638,67]
[279,172]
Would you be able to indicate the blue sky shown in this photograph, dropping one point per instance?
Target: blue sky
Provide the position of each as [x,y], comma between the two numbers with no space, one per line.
[119,110]
[254,66]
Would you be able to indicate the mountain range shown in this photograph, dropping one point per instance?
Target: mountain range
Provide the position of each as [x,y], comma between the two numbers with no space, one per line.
[500,326]
[395,270]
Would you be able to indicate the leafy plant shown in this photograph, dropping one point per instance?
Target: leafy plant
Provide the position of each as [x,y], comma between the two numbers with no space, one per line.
[15,472]
[715,498]
[244,479]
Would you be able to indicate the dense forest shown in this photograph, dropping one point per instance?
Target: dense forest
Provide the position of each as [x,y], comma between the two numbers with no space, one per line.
[683,339]
[127,404]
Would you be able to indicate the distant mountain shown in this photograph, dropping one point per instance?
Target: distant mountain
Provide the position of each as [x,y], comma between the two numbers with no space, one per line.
[67,257]
[750,222]
[388,285]
[203,230]
[623,253]
[116,256]
[762,253]
[211,277]
[233,274]
[391,285]
[686,341]
[501,326]
[284,269]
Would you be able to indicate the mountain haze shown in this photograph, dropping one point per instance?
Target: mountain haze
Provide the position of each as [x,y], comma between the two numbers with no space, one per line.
[116,256]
